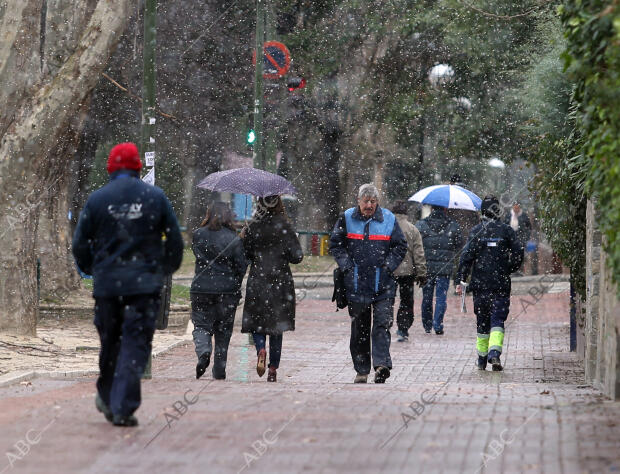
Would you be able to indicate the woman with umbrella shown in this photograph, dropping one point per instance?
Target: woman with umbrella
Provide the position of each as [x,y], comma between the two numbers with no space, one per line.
[271,244]
[216,288]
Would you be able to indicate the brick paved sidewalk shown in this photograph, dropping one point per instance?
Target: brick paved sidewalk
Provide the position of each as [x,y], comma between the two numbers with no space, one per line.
[436,413]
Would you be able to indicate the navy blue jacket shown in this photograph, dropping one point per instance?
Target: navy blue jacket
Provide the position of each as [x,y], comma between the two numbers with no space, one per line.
[441,238]
[368,250]
[119,237]
[220,261]
[494,252]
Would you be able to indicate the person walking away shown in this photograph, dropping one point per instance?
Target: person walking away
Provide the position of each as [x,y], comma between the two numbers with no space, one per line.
[127,237]
[368,245]
[441,238]
[216,287]
[411,269]
[492,253]
[271,244]
[518,219]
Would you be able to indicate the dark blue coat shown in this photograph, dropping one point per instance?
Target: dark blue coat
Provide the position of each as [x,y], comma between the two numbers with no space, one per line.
[119,238]
[368,250]
[220,261]
[441,238]
[494,252]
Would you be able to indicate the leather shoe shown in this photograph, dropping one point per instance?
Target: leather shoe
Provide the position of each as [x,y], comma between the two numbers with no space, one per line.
[381,374]
[120,420]
[203,363]
[103,408]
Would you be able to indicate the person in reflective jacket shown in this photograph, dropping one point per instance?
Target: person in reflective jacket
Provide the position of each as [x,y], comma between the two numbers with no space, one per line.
[492,253]
[368,246]
[128,239]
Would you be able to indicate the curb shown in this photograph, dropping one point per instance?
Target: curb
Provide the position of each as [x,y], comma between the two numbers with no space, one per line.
[24,376]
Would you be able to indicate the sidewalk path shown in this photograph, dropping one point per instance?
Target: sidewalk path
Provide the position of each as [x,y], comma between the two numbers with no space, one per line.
[436,413]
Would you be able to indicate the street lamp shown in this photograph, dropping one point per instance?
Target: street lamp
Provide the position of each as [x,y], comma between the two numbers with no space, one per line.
[440,75]
[499,165]
[495,162]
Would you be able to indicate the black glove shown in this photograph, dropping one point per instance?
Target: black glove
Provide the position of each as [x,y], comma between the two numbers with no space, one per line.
[385,269]
[422,281]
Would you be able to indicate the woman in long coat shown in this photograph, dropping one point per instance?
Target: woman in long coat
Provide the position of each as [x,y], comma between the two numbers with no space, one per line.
[216,288]
[270,244]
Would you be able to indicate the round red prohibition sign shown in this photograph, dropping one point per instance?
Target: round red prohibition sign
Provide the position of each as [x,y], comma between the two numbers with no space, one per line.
[276,60]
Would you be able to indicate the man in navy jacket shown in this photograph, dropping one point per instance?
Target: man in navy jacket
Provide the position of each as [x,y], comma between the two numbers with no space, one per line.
[368,246]
[119,240]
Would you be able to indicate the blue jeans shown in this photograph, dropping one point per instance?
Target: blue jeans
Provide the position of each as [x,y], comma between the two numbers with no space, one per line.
[275,347]
[428,321]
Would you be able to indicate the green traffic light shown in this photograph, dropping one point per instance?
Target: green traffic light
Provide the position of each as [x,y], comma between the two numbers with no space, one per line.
[251,137]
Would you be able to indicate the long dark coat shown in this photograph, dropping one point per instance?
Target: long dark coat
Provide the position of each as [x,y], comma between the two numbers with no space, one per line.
[271,245]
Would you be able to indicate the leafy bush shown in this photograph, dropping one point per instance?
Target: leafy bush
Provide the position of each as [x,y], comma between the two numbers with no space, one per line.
[591,61]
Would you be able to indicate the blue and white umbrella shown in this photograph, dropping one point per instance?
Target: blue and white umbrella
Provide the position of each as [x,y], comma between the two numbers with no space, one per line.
[448,195]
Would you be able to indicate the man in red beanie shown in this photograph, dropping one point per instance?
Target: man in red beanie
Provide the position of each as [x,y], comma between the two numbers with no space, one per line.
[119,240]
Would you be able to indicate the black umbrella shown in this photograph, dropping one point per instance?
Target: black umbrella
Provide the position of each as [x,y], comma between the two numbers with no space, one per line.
[248,181]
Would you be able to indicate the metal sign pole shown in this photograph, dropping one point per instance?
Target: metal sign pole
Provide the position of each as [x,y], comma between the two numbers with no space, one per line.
[258,154]
[148,104]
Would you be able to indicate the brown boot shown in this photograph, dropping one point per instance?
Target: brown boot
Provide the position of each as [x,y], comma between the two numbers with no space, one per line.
[272,374]
[261,362]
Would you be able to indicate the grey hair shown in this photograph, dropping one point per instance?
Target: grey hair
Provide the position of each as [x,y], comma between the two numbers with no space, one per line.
[368,190]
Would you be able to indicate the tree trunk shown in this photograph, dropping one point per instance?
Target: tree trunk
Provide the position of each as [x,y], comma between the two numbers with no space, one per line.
[58,273]
[30,130]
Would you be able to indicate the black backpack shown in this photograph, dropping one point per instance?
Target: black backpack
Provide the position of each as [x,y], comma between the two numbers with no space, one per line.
[340,293]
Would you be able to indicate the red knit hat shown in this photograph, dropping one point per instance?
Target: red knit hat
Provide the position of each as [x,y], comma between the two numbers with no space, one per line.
[124,156]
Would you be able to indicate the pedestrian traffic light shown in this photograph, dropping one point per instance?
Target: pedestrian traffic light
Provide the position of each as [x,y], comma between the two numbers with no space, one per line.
[295,83]
[251,137]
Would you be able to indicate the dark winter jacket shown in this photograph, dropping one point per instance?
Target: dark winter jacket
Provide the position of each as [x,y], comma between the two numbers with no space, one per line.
[119,237]
[442,240]
[271,245]
[368,250]
[494,252]
[220,261]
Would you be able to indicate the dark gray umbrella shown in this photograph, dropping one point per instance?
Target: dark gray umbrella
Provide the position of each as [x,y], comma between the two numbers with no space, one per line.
[247,181]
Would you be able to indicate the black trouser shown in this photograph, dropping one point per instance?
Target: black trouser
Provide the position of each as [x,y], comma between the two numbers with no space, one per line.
[382,318]
[126,325]
[213,315]
[404,316]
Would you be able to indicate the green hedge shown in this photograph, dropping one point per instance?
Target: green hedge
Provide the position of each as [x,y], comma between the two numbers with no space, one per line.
[592,62]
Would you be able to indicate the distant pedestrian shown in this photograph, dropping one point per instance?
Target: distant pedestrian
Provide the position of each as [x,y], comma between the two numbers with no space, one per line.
[518,219]
[492,253]
[442,240]
[520,222]
[411,269]
[271,244]
[128,239]
[368,246]
[216,288]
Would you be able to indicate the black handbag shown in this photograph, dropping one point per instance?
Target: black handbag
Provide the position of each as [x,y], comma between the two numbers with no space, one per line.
[340,293]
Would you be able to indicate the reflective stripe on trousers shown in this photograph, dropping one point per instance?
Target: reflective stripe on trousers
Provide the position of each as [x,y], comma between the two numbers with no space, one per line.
[482,344]
[496,339]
